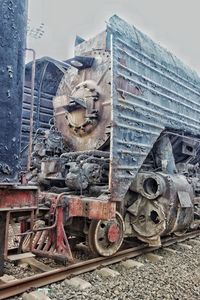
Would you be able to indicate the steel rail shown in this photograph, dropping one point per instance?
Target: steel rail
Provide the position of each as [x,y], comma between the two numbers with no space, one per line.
[19,286]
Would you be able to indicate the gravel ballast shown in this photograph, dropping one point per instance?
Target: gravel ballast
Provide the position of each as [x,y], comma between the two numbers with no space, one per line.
[176,276]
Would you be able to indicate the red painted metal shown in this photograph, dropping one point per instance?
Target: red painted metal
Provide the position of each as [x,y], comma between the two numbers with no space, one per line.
[92,208]
[62,244]
[113,233]
[16,200]
[18,196]
[78,206]
[51,241]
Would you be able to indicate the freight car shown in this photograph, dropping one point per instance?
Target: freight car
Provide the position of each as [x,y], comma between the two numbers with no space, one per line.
[121,157]
[17,201]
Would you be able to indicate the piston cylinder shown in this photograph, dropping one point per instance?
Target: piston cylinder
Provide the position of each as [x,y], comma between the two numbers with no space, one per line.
[164,205]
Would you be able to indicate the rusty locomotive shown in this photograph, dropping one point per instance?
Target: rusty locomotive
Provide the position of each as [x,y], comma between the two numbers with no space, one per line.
[121,156]
[116,147]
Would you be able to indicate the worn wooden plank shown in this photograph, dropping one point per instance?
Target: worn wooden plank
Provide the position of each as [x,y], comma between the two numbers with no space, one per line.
[20,256]
[35,264]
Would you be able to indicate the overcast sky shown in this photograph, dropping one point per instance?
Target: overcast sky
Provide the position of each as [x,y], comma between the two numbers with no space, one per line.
[175,24]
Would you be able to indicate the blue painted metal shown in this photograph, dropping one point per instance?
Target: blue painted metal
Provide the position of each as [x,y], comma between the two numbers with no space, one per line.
[152,91]
[13,19]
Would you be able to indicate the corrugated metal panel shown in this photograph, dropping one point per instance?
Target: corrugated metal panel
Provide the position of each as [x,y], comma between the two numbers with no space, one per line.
[47,79]
[152,90]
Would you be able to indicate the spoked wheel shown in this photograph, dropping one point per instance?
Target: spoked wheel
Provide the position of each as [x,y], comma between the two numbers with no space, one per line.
[106,237]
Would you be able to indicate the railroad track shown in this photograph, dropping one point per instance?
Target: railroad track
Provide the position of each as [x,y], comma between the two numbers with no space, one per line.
[19,286]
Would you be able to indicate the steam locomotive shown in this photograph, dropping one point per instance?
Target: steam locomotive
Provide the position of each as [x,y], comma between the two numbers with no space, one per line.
[116,156]
[122,151]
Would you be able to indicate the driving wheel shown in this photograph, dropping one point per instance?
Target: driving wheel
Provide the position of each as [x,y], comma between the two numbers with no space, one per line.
[106,237]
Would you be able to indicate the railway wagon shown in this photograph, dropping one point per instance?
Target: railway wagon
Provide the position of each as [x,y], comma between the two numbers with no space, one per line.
[121,157]
[16,200]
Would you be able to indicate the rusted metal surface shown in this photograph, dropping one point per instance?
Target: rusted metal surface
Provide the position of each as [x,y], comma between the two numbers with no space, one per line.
[151,91]
[101,209]
[15,201]
[49,73]
[158,209]
[106,237]
[14,197]
[51,240]
[13,19]
[91,208]
[3,241]
[82,104]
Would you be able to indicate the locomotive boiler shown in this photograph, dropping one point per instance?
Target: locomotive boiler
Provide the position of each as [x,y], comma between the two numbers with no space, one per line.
[121,157]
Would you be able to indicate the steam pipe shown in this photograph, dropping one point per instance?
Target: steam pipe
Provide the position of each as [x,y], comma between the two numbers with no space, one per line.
[32,107]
